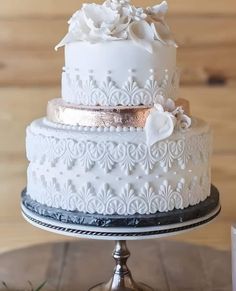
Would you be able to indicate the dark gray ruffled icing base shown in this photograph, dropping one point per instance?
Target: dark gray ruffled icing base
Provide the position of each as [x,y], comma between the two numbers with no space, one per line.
[97,220]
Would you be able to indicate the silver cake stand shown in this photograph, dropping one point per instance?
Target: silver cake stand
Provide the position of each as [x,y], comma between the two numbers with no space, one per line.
[120,229]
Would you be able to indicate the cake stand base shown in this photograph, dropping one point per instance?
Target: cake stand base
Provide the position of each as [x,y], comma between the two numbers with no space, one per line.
[120,229]
[108,287]
[122,278]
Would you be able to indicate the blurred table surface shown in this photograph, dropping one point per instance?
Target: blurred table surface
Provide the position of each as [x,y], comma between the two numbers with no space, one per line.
[30,76]
[163,265]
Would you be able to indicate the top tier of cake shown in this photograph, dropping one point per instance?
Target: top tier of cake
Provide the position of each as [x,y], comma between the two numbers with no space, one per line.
[117,54]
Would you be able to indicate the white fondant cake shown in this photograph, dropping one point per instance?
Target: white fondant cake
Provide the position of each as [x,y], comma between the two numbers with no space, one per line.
[145,155]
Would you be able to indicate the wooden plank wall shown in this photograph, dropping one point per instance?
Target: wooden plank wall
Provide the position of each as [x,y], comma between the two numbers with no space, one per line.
[30,75]
[30,29]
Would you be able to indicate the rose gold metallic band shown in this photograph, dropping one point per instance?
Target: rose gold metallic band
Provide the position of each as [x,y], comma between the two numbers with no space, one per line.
[61,112]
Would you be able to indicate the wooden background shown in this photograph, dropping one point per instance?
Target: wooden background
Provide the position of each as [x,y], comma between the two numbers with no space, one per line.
[30,72]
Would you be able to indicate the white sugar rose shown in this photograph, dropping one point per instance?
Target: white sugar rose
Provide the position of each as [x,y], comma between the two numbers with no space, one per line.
[95,23]
[100,20]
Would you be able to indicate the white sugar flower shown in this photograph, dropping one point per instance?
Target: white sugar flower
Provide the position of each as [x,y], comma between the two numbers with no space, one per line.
[163,33]
[142,34]
[159,125]
[161,30]
[137,14]
[164,117]
[117,4]
[101,21]
[149,25]
[117,20]
[95,23]
[158,11]
[183,120]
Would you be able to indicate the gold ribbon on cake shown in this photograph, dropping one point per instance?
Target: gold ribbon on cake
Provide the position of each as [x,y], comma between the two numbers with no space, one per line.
[59,111]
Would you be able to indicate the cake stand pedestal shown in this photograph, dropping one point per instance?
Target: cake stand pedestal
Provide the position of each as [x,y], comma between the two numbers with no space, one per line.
[120,229]
[122,278]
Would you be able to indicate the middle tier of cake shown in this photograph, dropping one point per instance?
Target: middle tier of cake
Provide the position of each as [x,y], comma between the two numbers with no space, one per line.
[59,111]
[109,170]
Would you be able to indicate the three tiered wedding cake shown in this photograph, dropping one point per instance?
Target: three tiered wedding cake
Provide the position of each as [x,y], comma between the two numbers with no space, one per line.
[119,142]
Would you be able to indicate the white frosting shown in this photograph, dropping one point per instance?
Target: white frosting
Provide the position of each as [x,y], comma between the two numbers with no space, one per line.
[117,172]
[116,20]
[118,73]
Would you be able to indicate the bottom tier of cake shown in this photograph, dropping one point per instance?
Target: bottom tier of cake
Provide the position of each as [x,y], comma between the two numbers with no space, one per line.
[100,170]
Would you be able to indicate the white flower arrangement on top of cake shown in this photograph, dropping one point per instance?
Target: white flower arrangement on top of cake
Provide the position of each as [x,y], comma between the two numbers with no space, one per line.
[119,20]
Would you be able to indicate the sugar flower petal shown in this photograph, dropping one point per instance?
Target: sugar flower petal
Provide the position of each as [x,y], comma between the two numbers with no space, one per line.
[142,34]
[183,122]
[159,10]
[158,126]
[97,16]
[162,33]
